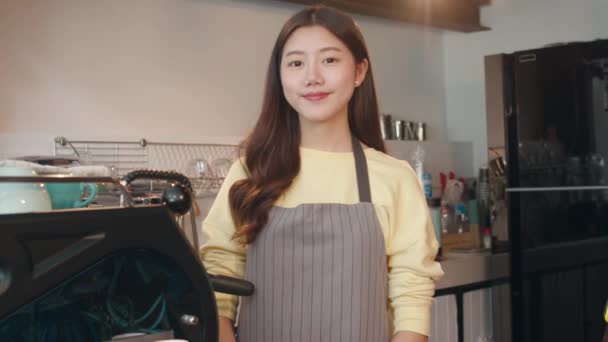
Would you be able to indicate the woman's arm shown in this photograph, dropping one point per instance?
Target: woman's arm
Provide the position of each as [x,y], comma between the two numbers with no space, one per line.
[226,330]
[408,336]
[222,254]
[411,254]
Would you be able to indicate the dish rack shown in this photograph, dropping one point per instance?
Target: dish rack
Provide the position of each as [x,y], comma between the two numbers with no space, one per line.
[206,165]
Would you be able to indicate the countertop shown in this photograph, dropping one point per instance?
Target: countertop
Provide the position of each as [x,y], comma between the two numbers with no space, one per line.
[463,268]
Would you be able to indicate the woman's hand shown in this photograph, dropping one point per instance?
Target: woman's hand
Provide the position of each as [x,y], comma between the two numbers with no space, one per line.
[408,336]
[226,330]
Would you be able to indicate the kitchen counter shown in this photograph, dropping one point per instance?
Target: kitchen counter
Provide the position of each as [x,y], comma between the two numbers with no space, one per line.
[461,297]
[464,268]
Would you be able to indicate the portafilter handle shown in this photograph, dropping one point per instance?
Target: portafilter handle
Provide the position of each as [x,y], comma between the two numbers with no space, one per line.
[230,285]
[179,197]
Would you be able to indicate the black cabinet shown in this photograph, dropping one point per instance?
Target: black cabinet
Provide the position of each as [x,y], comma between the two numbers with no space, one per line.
[561,293]
[560,125]
[553,103]
[554,309]
[596,280]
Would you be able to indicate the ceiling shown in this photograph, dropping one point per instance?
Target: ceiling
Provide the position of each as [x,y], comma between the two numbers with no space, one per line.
[451,15]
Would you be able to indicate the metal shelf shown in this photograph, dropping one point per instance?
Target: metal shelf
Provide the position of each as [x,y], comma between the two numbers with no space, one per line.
[125,156]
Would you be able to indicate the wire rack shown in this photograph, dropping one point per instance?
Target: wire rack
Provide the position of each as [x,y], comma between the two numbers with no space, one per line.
[206,165]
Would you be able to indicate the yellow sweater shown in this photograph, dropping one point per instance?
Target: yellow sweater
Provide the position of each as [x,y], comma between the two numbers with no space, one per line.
[330,177]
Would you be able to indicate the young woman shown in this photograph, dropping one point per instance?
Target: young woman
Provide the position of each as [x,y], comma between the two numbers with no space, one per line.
[334,233]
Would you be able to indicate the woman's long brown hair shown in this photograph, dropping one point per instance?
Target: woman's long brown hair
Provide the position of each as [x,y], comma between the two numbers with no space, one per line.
[271,152]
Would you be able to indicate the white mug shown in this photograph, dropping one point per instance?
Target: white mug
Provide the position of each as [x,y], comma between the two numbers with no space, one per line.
[21,197]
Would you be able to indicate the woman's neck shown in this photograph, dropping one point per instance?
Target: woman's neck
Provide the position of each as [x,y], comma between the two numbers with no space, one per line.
[331,136]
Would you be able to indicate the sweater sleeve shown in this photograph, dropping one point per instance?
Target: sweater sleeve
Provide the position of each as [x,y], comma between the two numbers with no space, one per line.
[412,248]
[221,254]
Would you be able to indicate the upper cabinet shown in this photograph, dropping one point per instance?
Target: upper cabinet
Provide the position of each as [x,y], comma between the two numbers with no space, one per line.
[453,15]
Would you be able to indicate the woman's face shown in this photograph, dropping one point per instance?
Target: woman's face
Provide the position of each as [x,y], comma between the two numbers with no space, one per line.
[319,74]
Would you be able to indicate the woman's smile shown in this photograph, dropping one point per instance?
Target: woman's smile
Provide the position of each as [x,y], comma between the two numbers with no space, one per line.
[316,96]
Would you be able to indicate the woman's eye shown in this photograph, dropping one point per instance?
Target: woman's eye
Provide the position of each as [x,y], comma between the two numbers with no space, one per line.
[330,60]
[294,64]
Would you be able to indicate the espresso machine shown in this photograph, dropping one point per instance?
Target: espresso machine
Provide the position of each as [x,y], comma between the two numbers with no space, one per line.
[116,273]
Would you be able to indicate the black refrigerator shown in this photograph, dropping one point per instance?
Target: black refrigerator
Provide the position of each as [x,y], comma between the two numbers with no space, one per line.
[548,118]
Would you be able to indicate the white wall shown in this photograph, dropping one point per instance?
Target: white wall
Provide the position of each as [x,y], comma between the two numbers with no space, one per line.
[174,70]
[516,25]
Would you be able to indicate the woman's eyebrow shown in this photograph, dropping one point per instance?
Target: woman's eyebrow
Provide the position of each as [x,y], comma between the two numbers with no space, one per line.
[325,49]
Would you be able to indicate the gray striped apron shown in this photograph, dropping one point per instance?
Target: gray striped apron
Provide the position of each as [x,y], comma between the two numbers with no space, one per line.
[320,273]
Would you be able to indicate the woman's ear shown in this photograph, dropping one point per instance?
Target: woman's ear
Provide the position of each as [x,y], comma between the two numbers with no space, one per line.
[361,71]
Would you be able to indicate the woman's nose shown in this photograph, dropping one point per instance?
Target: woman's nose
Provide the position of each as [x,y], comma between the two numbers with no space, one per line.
[313,75]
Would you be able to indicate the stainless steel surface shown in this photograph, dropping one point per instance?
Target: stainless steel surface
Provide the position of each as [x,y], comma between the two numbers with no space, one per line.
[386,126]
[124,200]
[399,130]
[201,167]
[63,141]
[193,226]
[420,131]
[410,131]
[122,156]
[126,156]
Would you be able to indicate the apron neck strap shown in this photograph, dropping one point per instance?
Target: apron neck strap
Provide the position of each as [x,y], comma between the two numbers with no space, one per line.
[361,169]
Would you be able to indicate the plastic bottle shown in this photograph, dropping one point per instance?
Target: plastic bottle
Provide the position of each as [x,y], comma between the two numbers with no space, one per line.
[435,211]
[483,197]
[461,218]
[427,184]
[487,238]
[418,163]
[445,216]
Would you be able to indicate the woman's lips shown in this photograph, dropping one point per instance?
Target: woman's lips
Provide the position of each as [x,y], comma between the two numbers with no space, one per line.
[315,96]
